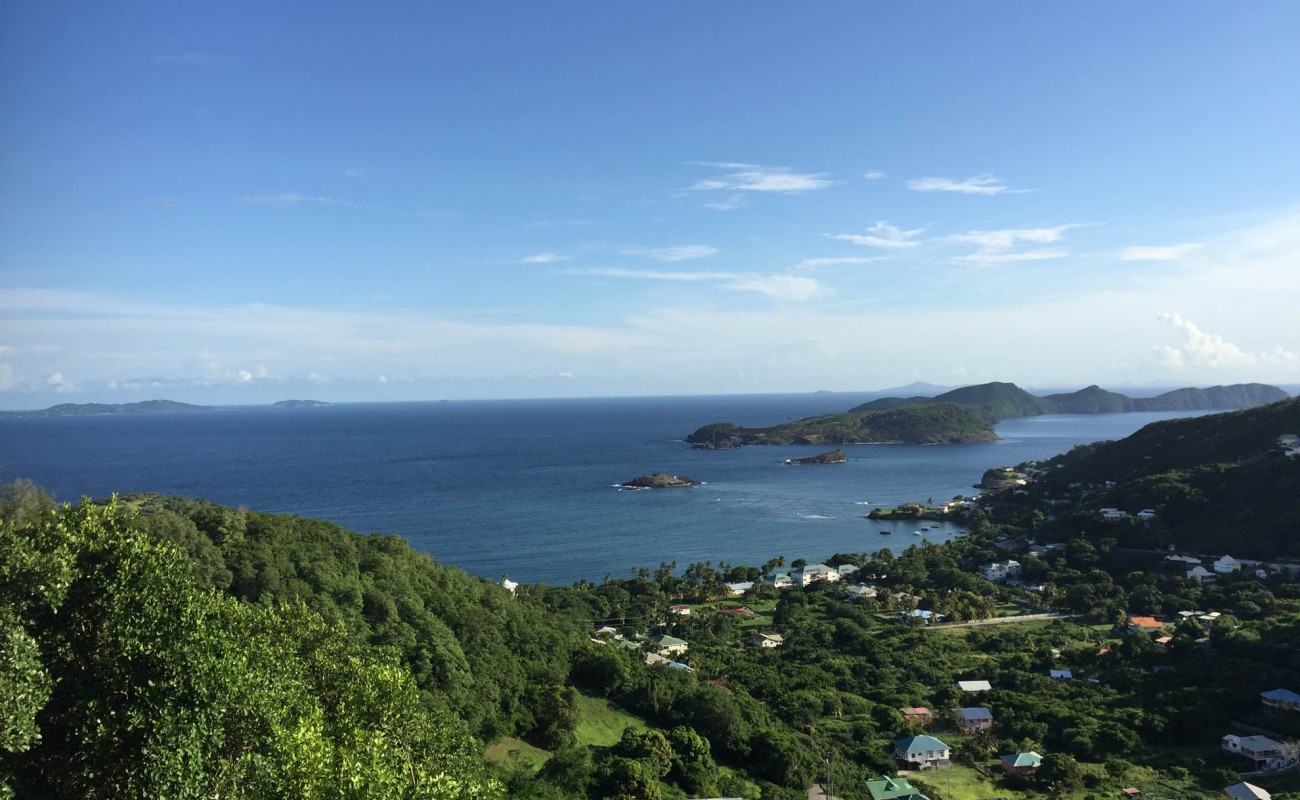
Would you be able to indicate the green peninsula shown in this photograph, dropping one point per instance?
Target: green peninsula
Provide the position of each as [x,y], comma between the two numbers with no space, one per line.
[932,424]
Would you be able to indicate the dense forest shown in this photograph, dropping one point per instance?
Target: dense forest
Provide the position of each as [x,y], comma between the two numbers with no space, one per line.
[170,647]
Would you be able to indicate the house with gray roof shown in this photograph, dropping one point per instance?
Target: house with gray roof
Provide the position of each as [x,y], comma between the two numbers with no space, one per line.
[974,719]
[922,752]
[1246,791]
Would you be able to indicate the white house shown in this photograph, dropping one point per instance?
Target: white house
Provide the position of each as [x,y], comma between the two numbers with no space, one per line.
[737,589]
[1113,515]
[1246,791]
[1146,514]
[1199,574]
[767,640]
[1001,571]
[780,580]
[811,573]
[1260,752]
[1227,565]
[846,569]
[858,591]
[509,585]
[974,686]
[922,752]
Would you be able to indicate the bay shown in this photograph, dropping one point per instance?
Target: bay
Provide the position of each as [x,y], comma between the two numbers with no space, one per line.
[525,487]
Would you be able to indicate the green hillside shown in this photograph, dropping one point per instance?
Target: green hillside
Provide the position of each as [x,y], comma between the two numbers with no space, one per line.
[1092,400]
[929,424]
[1219,483]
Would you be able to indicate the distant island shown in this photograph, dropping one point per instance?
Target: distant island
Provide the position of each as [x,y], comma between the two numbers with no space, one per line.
[833,457]
[969,413]
[94,409]
[299,403]
[659,480]
[998,401]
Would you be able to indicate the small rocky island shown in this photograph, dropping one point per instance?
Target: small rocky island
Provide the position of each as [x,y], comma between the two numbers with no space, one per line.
[659,480]
[299,403]
[833,457]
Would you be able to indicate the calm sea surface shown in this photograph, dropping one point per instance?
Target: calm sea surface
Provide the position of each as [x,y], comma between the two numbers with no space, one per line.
[524,487]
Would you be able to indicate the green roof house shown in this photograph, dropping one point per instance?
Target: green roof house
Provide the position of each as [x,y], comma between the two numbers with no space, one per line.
[1021,763]
[887,788]
[663,643]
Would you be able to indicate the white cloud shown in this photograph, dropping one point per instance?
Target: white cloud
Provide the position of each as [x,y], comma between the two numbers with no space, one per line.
[317,378]
[998,246]
[795,288]
[60,384]
[813,263]
[287,199]
[1172,252]
[542,258]
[873,175]
[980,184]
[882,234]
[757,178]
[1212,350]
[683,252]
[564,374]
[7,377]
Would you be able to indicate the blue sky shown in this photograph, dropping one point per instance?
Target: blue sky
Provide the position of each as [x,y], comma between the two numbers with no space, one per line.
[243,202]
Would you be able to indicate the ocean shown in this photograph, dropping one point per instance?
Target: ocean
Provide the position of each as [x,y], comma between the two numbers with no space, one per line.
[524,488]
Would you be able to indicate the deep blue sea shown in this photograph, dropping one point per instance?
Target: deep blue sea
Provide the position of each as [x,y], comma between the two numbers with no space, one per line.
[524,487]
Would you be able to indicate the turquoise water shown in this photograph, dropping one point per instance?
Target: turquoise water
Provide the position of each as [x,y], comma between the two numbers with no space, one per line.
[524,488]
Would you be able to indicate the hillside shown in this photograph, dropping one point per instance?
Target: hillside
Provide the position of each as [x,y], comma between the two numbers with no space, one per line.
[998,401]
[928,424]
[1220,482]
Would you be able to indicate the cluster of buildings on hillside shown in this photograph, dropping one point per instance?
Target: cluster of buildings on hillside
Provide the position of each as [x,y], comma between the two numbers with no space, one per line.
[1195,569]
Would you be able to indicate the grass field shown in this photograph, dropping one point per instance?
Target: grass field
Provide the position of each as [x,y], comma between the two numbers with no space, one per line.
[601,724]
[516,753]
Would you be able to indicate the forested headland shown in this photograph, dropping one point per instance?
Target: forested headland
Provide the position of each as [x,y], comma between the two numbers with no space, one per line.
[166,646]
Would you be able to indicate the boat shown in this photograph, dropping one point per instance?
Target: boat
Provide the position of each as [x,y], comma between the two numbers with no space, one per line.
[885,533]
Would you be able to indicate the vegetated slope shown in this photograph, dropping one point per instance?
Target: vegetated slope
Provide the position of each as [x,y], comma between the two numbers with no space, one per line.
[1091,400]
[998,401]
[929,424]
[1241,395]
[994,401]
[1221,482]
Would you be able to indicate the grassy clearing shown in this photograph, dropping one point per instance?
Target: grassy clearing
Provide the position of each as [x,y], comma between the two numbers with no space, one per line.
[515,754]
[600,723]
[960,782]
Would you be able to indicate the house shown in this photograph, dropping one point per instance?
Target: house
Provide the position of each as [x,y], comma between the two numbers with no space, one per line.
[1060,674]
[767,640]
[780,580]
[1146,514]
[859,591]
[1259,752]
[1021,763]
[1279,700]
[1290,444]
[887,788]
[917,715]
[509,585]
[737,589]
[1113,515]
[974,719]
[1199,575]
[1246,791]
[920,614]
[922,752]
[847,569]
[626,644]
[1131,791]
[1145,624]
[974,686]
[811,573]
[1001,571]
[739,611]
[603,632]
[663,643]
[681,611]
[1227,565]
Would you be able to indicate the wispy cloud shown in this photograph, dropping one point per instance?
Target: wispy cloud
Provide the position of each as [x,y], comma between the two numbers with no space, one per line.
[999,246]
[791,288]
[1212,350]
[758,178]
[288,199]
[814,263]
[1173,252]
[873,175]
[543,258]
[882,234]
[980,184]
[684,252]
[190,57]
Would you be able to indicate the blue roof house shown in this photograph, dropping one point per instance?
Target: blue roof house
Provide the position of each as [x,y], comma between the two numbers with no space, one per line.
[922,752]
